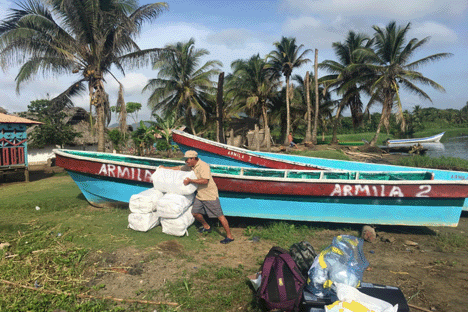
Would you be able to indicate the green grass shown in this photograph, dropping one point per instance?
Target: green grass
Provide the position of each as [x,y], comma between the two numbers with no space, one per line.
[447,163]
[58,243]
[450,242]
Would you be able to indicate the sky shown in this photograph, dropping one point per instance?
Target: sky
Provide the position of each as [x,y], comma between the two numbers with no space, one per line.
[235,29]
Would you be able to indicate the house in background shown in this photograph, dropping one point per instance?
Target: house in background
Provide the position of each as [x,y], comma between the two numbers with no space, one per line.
[79,119]
[14,144]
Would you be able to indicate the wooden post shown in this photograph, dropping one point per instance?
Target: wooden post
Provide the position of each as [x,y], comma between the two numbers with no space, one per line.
[26,174]
[314,133]
[219,110]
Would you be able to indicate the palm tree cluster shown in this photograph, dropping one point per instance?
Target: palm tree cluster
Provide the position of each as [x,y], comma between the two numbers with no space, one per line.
[88,38]
[84,38]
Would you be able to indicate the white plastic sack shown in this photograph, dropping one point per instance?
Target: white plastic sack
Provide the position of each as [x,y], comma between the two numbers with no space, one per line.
[143,221]
[351,298]
[179,226]
[172,181]
[172,206]
[145,202]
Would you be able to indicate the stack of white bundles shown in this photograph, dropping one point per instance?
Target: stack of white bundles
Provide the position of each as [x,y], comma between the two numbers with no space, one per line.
[178,226]
[143,222]
[172,181]
[143,206]
[145,202]
[172,206]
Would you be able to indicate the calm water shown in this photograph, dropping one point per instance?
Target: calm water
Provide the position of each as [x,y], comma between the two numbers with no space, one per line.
[454,147]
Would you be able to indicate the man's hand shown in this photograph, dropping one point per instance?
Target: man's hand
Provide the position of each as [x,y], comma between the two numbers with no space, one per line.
[187,181]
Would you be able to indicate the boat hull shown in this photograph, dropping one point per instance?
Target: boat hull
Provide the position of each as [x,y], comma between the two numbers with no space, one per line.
[240,156]
[432,139]
[108,183]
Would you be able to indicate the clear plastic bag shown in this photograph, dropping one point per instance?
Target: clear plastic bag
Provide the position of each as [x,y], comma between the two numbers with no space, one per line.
[341,262]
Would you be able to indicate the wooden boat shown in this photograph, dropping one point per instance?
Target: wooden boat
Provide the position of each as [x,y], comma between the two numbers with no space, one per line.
[432,139]
[222,154]
[400,198]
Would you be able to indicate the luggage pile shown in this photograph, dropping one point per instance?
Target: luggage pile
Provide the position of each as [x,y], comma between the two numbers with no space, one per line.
[168,203]
[301,280]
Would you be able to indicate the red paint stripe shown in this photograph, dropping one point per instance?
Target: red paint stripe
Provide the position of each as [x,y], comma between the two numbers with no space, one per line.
[106,170]
[265,187]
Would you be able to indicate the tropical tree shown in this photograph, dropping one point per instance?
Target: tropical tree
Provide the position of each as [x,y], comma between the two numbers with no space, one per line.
[326,104]
[81,37]
[253,87]
[182,85]
[284,59]
[391,69]
[164,127]
[343,81]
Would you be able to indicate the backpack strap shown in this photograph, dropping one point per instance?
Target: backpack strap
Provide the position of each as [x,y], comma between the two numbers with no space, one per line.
[266,269]
[287,258]
[292,265]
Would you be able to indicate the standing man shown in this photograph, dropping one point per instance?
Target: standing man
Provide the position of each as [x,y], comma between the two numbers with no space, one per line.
[291,142]
[207,200]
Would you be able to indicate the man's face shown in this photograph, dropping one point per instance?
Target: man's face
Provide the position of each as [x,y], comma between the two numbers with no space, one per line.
[191,161]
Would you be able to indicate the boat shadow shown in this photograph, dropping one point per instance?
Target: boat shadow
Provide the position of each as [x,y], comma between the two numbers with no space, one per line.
[241,222]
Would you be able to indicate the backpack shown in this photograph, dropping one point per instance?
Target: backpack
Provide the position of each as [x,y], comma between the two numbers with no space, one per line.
[303,254]
[282,282]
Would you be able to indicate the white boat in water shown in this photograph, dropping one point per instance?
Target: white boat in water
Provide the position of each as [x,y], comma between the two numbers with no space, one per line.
[432,139]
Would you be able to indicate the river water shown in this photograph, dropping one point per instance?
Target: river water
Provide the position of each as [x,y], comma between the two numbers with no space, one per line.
[453,147]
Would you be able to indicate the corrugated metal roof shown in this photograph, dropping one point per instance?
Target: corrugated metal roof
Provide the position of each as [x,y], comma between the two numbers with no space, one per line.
[4,118]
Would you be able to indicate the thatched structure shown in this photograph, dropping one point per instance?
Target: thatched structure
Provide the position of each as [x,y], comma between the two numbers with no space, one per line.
[79,119]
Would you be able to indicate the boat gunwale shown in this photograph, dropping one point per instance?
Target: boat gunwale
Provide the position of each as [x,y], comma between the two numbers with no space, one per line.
[245,151]
[65,153]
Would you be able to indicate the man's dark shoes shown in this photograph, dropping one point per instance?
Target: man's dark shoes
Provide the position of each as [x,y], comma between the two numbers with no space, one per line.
[227,240]
[203,230]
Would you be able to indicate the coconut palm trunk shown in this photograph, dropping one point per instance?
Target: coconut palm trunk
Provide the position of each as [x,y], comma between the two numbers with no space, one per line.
[308,136]
[386,111]
[314,133]
[288,113]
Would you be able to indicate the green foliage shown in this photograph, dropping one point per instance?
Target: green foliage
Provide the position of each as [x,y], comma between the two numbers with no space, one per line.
[117,138]
[162,145]
[132,108]
[143,138]
[53,131]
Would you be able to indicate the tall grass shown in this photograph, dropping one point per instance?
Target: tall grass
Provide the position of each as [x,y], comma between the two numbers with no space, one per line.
[448,163]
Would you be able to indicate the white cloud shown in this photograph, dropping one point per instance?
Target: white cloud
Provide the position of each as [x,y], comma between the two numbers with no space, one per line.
[440,34]
[393,9]
[231,38]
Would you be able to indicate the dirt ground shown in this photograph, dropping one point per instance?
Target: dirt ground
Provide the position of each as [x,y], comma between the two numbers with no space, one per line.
[408,257]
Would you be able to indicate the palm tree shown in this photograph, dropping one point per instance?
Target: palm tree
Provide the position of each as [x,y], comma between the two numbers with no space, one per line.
[391,69]
[253,87]
[284,59]
[182,85]
[325,103]
[342,80]
[83,37]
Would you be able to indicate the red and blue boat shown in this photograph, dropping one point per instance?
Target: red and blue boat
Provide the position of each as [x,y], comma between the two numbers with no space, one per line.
[397,198]
[223,154]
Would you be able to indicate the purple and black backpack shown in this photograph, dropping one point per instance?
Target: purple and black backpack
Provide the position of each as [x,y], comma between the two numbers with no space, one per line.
[282,281]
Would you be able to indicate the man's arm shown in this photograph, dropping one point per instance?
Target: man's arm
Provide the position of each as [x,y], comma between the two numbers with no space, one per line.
[196,181]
